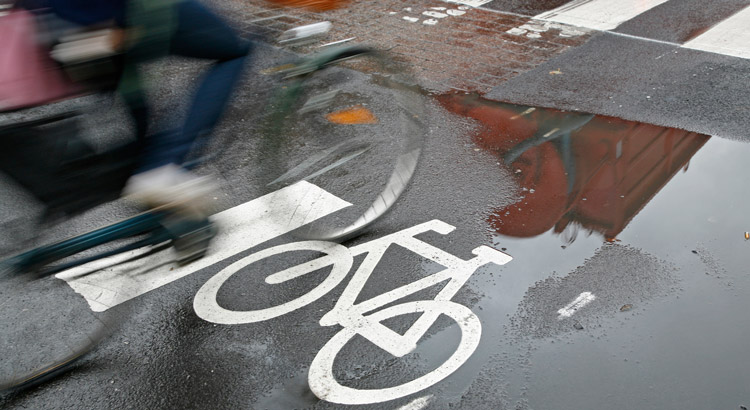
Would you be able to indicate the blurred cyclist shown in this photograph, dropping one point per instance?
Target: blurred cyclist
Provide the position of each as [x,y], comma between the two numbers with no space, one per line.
[139,31]
[144,30]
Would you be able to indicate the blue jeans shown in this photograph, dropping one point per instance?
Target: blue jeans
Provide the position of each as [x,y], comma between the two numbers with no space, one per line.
[199,33]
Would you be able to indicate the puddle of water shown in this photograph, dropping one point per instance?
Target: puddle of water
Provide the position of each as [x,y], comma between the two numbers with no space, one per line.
[577,172]
[642,216]
[586,180]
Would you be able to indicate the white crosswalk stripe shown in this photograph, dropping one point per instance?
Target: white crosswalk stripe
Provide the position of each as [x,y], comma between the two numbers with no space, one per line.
[730,37]
[598,14]
[472,3]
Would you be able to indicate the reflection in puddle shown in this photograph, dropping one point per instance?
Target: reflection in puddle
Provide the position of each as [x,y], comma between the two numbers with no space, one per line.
[674,289]
[576,171]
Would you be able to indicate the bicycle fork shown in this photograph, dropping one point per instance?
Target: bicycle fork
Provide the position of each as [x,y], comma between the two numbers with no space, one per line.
[457,271]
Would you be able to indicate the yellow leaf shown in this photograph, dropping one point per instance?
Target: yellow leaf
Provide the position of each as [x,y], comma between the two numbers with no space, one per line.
[354,115]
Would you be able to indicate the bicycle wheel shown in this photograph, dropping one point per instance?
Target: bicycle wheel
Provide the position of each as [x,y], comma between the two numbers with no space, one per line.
[45,327]
[350,121]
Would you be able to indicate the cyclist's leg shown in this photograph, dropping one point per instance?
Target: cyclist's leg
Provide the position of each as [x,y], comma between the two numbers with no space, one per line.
[201,34]
[162,180]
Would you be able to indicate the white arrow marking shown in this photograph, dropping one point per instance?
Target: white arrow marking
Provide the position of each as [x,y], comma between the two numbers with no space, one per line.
[240,228]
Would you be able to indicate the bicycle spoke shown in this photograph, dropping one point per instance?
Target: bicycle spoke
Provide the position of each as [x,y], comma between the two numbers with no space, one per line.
[356,135]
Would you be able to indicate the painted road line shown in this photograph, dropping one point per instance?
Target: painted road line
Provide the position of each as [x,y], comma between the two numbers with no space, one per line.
[598,14]
[472,3]
[582,300]
[120,278]
[730,37]
[417,404]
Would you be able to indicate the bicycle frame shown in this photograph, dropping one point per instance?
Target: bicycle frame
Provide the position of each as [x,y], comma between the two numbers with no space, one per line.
[457,272]
[157,226]
[137,225]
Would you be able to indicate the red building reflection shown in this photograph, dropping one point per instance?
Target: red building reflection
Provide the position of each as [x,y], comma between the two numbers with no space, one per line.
[575,170]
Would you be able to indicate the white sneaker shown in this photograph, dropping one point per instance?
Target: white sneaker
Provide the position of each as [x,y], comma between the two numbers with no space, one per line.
[172,187]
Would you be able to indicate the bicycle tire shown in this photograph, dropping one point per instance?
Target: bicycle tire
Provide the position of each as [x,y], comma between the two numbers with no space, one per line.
[357,135]
[45,325]
[45,328]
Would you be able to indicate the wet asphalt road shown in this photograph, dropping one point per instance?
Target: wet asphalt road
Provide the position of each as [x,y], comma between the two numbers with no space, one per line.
[626,289]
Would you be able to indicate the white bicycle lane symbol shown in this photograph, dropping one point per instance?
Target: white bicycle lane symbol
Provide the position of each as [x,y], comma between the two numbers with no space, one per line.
[362,318]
